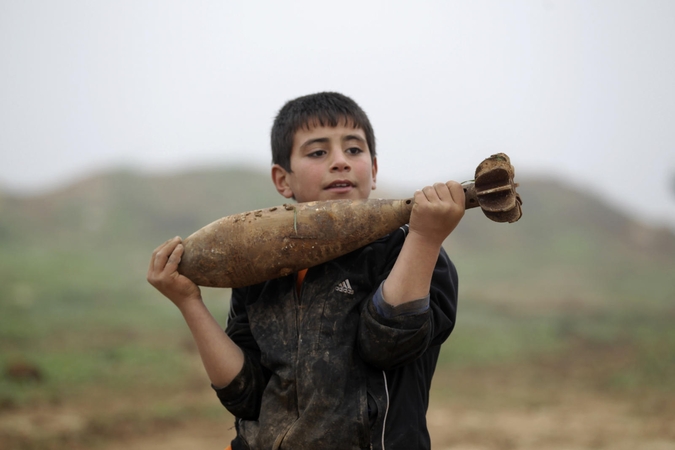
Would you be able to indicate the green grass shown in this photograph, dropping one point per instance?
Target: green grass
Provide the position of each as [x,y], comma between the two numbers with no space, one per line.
[484,336]
[90,324]
[617,349]
[85,321]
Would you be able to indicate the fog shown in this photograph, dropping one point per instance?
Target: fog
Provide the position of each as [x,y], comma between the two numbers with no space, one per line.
[580,91]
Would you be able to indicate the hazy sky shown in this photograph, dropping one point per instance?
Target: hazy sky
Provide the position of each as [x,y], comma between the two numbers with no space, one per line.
[582,90]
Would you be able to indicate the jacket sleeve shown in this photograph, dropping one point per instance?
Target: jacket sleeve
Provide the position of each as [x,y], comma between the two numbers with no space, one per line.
[243,396]
[388,339]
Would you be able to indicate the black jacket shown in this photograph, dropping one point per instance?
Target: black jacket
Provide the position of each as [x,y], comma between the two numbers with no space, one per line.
[326,369]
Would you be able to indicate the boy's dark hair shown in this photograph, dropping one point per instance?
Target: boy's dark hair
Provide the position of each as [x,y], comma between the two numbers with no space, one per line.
[328,109]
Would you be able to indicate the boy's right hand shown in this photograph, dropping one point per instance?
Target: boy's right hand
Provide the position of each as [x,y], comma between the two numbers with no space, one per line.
[163,273]
[437,211]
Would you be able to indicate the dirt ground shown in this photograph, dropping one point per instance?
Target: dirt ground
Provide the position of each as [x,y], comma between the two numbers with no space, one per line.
[594,423]
[597,426]
[587,425]
[469,410]
[590,422]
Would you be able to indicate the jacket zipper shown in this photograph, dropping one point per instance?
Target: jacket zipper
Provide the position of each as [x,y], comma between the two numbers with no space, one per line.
[298,321]
[386,410]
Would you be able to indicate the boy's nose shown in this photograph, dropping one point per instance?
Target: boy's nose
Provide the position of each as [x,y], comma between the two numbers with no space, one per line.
[339,163]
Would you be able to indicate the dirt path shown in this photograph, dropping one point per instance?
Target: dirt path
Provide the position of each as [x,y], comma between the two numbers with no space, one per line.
[577,424]
[196,435]
[469,410]
[585,426]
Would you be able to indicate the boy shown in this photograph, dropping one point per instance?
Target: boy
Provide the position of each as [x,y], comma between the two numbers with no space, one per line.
[340,356]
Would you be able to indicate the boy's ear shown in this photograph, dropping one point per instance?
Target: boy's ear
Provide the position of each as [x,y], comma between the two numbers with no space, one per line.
[374,172]
[280,178]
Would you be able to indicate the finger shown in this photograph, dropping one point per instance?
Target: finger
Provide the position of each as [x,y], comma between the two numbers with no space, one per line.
[164,244]
[154,255]
[174,258]
[457,192]
[161,256]
[443,192]
[420,197]
[430,193]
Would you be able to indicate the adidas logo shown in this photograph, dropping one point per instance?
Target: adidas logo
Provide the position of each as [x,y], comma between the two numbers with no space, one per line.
[345,287]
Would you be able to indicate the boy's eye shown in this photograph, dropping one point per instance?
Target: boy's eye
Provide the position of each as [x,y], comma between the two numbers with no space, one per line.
[354,150]
[317,153]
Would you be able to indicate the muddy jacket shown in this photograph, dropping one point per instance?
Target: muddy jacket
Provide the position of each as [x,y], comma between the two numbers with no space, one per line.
[334,367]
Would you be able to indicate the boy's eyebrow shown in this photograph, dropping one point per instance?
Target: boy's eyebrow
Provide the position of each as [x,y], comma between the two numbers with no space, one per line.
[314,141]
[324,140]
[351,137]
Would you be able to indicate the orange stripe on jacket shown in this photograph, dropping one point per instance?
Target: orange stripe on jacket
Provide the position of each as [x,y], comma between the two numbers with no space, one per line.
[300,279]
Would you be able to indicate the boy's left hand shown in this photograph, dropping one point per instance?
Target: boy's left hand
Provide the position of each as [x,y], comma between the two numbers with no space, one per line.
[437,211]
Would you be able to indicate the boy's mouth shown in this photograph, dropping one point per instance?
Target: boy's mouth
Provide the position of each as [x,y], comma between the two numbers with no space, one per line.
[340,186]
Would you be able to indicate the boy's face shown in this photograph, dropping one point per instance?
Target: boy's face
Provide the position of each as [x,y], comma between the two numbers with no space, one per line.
[327,163]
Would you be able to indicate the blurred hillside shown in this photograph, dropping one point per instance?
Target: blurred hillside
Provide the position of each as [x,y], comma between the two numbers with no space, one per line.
[575,292]
[129,208]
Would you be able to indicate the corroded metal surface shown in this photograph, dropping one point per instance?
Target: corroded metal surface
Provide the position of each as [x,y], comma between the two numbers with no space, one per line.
[256,246]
